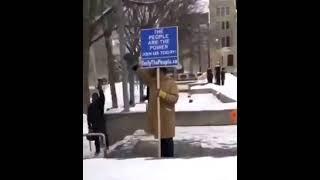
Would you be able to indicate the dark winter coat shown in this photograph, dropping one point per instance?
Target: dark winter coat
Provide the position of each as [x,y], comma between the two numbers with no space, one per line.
[209,75]
[148,93]
[223,75]
[218,74]
[95,114]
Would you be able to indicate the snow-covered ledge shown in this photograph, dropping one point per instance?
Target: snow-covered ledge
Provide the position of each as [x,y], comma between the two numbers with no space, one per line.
[201,112]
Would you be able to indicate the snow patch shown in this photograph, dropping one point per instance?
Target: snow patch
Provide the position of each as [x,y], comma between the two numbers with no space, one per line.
[201,102]
[205,168]
[85,124]
[229,89]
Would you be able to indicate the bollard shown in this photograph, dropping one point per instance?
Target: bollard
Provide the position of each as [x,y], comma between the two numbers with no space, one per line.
[234,117]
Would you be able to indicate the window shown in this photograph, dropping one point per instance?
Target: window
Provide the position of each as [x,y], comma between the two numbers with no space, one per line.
[223,40]
[222,11]
[230,60]
[183,77]
[227,10]
[218,11]
[228,41]
[222,24]
[227,24]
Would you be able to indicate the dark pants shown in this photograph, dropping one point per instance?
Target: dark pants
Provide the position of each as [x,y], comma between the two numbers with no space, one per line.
[97,142]
[218,82]
[222,82]
[167,147]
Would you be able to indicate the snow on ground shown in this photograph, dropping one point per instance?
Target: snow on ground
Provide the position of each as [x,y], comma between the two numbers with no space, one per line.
[201,152]
[191,141]
[229,89]
[209,136]
[203,99]
[201,102]
[107,92]
[146,169]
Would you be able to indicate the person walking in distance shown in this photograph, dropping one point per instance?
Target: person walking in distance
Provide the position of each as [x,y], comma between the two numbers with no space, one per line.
[169,95]
[223,75]
[218,75]
[209,75]
[96,121]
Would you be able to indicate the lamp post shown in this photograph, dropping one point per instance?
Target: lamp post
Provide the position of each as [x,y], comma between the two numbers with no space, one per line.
[216,45]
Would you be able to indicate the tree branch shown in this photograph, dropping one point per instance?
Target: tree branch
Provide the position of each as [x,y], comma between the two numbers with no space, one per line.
[98,20]
[97,39]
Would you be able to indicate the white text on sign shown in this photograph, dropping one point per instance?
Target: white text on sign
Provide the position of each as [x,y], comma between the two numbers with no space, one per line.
[158,41]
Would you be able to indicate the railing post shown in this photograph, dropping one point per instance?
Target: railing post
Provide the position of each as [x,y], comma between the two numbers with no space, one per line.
[103,141]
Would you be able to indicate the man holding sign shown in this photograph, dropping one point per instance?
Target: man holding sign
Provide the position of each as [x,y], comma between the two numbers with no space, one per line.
[168,94]
[159,49]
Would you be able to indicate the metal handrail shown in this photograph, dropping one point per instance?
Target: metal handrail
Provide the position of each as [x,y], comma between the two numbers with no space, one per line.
[103,141]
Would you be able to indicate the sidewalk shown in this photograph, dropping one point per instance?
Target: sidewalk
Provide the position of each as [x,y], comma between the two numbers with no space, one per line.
[200,141]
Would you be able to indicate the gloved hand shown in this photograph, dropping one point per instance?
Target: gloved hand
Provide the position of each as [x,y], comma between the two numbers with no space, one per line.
[161,94]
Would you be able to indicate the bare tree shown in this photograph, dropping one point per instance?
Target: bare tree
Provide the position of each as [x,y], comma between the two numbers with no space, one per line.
[122,53]
[140,15]
[94,13]
[136,14]
[102,26]
[111,67]
[86,26]
[89,12]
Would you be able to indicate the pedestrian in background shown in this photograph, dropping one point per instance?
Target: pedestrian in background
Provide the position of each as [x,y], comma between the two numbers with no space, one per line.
[218,75]
[223,75]
[96,122]
[209,75]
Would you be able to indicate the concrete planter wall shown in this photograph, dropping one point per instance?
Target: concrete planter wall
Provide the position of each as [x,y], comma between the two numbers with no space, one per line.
[220,96]
[120,125]
[123,124]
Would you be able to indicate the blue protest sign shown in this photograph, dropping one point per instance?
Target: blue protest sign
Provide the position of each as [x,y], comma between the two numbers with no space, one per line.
[159,47]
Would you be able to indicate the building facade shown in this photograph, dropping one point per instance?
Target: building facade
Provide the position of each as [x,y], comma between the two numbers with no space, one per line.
[194,53]
[223,33]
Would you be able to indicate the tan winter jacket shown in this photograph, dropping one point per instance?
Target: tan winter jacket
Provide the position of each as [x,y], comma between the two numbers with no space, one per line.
[167,105]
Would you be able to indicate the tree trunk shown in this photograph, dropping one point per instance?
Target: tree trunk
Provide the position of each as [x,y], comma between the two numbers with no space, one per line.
[122,52]
[181,59]
[92,59]
[192,58]
[85,79]
[141,91]
[131,88]
[111,74]
[199,46]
